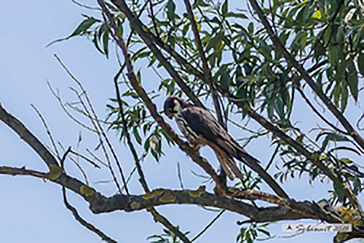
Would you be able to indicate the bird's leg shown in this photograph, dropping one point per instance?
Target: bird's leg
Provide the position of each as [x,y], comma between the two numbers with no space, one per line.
[195,146]
[222,176]
[221,187]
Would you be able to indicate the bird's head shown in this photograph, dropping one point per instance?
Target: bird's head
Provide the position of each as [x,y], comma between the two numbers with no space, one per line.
[172,106]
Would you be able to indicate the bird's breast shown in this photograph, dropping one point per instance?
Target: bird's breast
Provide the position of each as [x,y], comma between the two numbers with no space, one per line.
[187,131]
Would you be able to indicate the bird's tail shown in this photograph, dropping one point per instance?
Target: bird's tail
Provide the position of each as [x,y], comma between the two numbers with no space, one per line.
[231,169]
[229,166]
[253,163]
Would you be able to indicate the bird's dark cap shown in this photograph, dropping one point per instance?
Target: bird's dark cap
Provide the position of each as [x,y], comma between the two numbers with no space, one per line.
[170,103]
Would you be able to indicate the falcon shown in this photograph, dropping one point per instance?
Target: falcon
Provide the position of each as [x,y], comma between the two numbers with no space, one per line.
[201,128]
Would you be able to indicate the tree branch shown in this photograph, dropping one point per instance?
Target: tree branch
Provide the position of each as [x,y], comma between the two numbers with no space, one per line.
[83,222]
[157,216]
[191,152]
[314,158]
[205,64]
[28,137]
[305,76]
[6,170]
[288,209]
[147,38]
[158,197]
[141,30]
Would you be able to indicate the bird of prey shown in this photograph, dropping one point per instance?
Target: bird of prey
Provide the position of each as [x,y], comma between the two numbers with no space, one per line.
[201,128]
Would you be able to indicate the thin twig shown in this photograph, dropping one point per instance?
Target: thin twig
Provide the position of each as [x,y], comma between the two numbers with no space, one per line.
[318,113]
[85,158]
[48,131]
[127,134]
[96,158]
[66,111]
[99,135]
[305,75]
[83,222]
[69,150]
[205,65]
[179,174]
[97,126]
[208,225]
[148,40]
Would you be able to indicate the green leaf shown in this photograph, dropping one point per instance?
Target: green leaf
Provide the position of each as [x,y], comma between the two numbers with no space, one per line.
[171,8]
[84,26]
[224,8]
[95,40]
[136,135]
[105,42]
[357,185]
[251,28]
[80,30]
[333,55]
[225,80]
[344,98]
[236,15]
[352,78]
[361,63]
[340,194]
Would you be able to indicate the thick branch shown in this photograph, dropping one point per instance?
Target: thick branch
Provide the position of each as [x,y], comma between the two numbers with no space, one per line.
[158,197]
[288,210]
[6,170]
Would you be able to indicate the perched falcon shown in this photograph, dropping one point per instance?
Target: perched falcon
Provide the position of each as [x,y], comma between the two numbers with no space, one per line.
[201,128]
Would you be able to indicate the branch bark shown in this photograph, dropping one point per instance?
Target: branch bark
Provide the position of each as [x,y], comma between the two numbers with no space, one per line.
[288,209]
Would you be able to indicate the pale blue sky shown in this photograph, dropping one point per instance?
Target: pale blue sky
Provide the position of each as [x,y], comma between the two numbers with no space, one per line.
[33,210]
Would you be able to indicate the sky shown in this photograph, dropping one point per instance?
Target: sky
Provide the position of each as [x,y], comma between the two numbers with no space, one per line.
[33,209]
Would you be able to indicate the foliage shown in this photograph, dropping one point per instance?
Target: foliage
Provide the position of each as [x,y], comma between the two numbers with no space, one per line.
[326,39]
[251,233]
[166,237]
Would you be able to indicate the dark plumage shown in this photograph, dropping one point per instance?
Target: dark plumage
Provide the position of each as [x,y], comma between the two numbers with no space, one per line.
[201,128]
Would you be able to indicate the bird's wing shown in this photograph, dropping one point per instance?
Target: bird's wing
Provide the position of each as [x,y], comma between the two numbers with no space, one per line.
[206,126]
